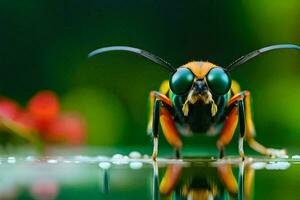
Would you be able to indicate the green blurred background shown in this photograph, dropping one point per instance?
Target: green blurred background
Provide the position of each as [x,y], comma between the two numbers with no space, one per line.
[44,45]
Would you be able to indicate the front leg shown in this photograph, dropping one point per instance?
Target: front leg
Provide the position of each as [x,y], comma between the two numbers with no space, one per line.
[155,100]
[241,110]
[161,114]
[236,113]
[155,126]
[228,129]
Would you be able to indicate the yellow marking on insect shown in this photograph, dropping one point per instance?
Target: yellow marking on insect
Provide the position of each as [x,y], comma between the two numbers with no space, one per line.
[164,87]
[214,109]
[200,69]
[235,87]
[185,108]
[205,98]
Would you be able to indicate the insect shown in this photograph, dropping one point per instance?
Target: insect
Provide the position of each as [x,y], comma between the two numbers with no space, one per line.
[201,98]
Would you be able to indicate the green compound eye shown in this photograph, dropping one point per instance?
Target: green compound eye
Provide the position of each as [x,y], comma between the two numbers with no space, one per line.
[181,81]
[218,81]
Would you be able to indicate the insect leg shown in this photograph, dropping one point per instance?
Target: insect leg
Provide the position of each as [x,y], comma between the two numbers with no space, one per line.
[236,110]
[170,179]
[150,118]
[249,179]
[155,124]
[227,178]
[155,185]
[228,129]
[235,88]
[250,132]
[230,182]
[160,95]
[169,130]
[242,125]
[162,114]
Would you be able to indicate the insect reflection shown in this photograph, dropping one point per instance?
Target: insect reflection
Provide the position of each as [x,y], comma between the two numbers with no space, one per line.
[211,181]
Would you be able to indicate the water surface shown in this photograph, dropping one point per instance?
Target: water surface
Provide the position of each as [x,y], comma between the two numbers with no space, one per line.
[136,176]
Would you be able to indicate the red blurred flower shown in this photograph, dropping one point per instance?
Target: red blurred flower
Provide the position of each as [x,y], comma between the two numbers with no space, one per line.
[44,108]
[45,190]
[43,118]
[25,119]
[68,128]
[8,108]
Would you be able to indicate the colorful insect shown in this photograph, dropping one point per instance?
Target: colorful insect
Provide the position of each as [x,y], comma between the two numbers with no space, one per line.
[200,97]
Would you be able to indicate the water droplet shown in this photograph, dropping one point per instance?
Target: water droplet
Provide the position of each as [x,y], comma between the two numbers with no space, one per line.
[278,165]
[82,158]
[117,156]
[283,156]
[101,158]
[135,154]
[104,165]
[125,157]
[136,165]
[11,160]
[296,157]
[258,165]
[52,161]
[145,156]
[119,159]
[30,159]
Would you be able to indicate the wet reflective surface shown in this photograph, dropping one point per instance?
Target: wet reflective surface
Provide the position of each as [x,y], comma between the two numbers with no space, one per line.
[136,176]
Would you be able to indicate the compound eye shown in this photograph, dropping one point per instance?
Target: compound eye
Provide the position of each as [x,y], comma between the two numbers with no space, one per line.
[181,81]
[218,81]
